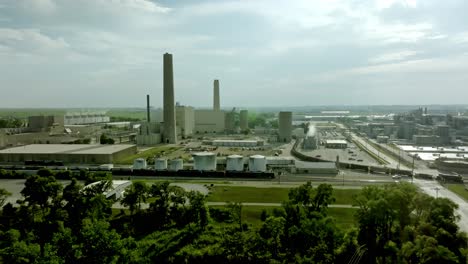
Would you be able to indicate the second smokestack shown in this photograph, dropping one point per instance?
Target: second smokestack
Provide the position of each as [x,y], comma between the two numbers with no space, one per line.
[148,118]
[216,104]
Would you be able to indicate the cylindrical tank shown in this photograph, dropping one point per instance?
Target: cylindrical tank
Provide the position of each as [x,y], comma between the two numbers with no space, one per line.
[234,163]
[257,163]
[139,164]
[244,120]
[204,161]
[160,164]
[285,126]
[176,165]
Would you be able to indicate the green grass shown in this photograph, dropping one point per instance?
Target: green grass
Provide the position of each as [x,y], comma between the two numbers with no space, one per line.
[268,195]
[459,189]
[344,217]
[146,154]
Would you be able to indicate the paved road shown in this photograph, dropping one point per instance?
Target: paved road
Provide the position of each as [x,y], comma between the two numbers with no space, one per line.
[430,187]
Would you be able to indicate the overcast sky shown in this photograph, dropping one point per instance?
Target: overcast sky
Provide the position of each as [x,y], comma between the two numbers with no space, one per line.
[108,53]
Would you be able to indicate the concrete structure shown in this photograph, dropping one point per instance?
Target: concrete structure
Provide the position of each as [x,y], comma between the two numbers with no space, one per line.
[230,122]
[148,134]
[257,163]
[204,161]
[336,144]
[234,163]
[285,126]
[382,139]
[237,143]
[148,112]
[45,123]
[139,164]
[83,118]
[216,103]
[310,142]
[160,164]
[209,121]
[185,120]
[169,133]
[444,134]
[176,165]
[244,120]
[117,188]
[424,140]
[68,153]
[323,168]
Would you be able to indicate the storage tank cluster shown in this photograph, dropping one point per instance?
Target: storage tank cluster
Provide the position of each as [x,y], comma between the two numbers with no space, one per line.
[139,164]
[176,165]
[160,164]
[257,163]
[234,163]
[204,161]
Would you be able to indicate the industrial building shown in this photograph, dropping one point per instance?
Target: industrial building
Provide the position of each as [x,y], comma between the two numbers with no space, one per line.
[209,121]
[237,143]
[336,144]
[285,126]
[322,168]
[68,153]
[83,118]
[45,123]
[185,120]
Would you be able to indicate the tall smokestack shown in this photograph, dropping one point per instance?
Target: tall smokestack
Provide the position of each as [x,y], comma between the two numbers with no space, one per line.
[216,104]
[169,134]
[148,118]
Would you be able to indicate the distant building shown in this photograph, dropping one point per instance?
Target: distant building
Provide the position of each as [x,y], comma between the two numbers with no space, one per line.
[185,120]
[82,118]
[285,126]
[336,144]
[209,121]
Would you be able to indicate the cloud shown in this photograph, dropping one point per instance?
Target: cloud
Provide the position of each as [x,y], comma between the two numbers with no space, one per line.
[393,56]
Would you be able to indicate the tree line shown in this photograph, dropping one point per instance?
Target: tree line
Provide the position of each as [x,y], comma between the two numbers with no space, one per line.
[54,223]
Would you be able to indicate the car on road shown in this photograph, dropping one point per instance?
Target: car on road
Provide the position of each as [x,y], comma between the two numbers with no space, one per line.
[396,177]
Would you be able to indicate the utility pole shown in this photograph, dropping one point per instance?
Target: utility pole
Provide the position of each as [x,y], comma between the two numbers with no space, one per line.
[412,171]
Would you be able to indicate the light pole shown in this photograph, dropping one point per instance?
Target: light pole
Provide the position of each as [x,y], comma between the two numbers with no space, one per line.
[437,191]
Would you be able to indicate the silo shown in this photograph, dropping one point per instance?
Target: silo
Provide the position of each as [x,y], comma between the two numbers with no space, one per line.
[160,164]
[139,164]
[204,161]
[176,165]
[285,126]
[244,120]
[234,163]
[257,163]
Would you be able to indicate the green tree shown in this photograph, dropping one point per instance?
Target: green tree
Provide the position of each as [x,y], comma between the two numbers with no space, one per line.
[135,195]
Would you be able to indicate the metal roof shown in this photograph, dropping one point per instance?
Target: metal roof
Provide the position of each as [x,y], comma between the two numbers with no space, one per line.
[66,149]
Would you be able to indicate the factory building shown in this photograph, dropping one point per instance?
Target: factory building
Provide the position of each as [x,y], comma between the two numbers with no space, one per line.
[169,132]
[230,122]
[336,144]
[45,123]
[426,140]
[209,121]
[237,143]
[82,118]
[244,120]
[444,134]
[285,126]
[185,120]
[68,153]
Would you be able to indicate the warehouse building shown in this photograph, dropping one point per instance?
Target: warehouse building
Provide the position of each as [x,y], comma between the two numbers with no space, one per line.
[73,153]
[336,144]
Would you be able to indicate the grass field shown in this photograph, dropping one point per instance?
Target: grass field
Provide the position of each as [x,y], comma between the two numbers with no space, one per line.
[148,153]
[344,217]
[458,189]
[268,195]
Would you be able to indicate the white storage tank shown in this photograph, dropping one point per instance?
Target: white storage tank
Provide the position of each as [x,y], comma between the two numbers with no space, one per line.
[204,161]
[176,165]
[234,163]
[160,164]
[257,163]
[139,164]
